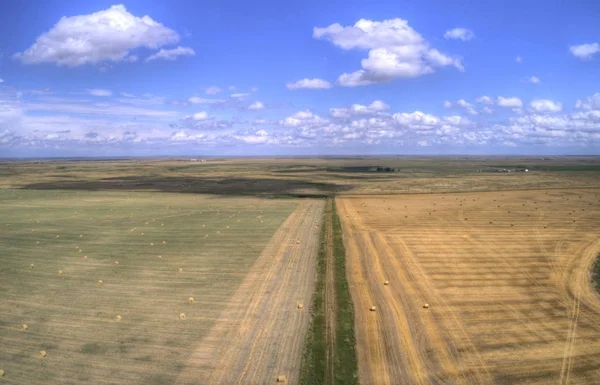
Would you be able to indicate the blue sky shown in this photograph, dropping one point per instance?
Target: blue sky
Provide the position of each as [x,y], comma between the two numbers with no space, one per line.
[241,78]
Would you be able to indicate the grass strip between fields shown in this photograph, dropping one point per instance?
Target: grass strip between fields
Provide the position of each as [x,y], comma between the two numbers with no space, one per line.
[315,363]
[596,274]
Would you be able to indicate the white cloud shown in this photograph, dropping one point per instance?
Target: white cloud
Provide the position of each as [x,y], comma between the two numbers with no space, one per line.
[589,103]
[1,80]
[519,59]
[258,137]
[544,105]
[127,95]
[99,92]
[585,51]
[254,89]
[510,102]
[358,109]
[200,115]
[172,54]
[256,106]
[485,100]
[468,107]
[309,83]
[459,34]
[416,118]
[395,50]
[533,79]
[107,35]
[213,90]
[199,100]
[302,118]
[231,88]
[239,95]
[487,110]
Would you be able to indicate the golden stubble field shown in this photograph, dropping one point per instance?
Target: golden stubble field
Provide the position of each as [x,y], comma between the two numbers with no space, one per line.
[153,288]
[506,276]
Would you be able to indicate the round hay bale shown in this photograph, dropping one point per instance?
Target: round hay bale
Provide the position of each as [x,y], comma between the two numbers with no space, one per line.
[227,227]
[281,379]
[80,235]
[31,266]
[300,306]
[159,257]
[59,273]
[180,270]
[373,308]
[164,242]
[386,283]
[162,224]
[181,317]
[37,242]
[100,282]
[24,327]
[43,353]
[58,236]
[426,306]
[85,257]
[118,318]
[1,373]
[191,300]
[151,244]
[115,263]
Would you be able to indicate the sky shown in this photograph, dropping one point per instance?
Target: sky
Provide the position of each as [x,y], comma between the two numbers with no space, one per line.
[237,78]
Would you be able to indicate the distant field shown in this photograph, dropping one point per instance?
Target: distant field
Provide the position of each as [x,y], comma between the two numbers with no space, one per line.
[215,241]
[506,275]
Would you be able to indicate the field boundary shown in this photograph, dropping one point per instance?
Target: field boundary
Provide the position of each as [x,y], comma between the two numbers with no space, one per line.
[330,349]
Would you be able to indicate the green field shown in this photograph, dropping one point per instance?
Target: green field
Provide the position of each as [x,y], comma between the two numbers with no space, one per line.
[72,317]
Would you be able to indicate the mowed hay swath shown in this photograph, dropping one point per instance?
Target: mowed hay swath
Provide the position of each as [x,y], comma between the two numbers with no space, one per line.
[116,331]
[500,298]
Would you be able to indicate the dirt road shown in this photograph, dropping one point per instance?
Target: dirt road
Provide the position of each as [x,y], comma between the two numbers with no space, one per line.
[506,276]
[261,333]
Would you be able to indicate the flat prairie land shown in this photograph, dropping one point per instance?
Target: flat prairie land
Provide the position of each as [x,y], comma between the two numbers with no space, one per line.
[152,252]
[506,276]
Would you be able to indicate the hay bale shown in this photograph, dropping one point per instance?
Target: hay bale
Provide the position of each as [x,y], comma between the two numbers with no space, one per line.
[151,244]
[59,273]
[58,236]
[162,224]
[191,300]
[181,317]
[80,235]
[164,243]
[373,308]
[282,379]
[159,257]
[37,243]
[426,306]
[118,318]
[300,306]
[386,283]
[100,282]
[115,263]
[31,266]
[85,257]
[180,270]
[24,327]
[43,353]
[1,373]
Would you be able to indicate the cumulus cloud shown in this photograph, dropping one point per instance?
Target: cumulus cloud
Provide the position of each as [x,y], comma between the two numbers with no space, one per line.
[533,79]
[99,92]
[585,51]
[172,54]
[485,100]
[309,83]
[256,106]
[107,35]
[512,102]
[589,103]
[1,80]
[468,107]
[200,115]
[395,50]
[416,119]
[459,34]
[302,118]
[544,105]
[519,59]
[358,109]
[213,90]
[239,95]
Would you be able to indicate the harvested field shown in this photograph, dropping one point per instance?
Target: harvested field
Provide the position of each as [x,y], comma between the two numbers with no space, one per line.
[127,330]
[505,274]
